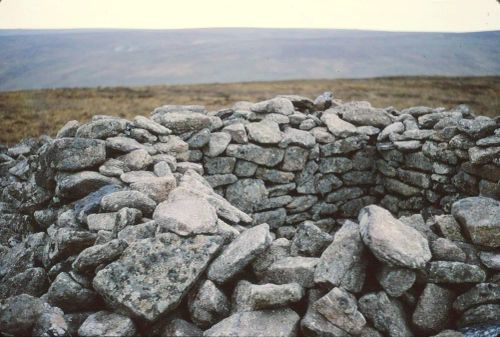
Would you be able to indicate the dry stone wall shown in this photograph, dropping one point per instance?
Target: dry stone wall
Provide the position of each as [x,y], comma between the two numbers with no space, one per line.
[263,219]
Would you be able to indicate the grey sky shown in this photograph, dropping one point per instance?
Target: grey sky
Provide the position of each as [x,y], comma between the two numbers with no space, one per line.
[395,15]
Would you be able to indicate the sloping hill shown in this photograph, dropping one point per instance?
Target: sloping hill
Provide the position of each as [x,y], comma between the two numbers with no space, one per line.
[76,58]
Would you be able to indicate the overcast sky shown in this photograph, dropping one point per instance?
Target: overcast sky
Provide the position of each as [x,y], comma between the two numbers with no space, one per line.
[395,15]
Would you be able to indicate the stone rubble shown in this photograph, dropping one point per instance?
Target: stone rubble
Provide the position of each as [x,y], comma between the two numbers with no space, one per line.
[287,217]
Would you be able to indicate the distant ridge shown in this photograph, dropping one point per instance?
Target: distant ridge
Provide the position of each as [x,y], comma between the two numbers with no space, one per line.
[108,57]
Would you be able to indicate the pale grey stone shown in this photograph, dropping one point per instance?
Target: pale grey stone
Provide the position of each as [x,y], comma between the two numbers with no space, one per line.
[186,216]
[391,241]
[240,253]
[19,314]
[279,248]
[208,305]
[314,324]
[237,132]
[341,308]
[296,269]
[218,143]
[480,219]
[337,126]
[181,122]
[265,132]
[490,260]
[395,280]
[180,328]
[137,159]
[68,130]
[102,128]
[279,105]
[277,322]
[344,261]
[134,199]
[250,297]
[274,176]
[105,323]
[446,250]
[150,125]
[101,221]
[297,137]
[153,275]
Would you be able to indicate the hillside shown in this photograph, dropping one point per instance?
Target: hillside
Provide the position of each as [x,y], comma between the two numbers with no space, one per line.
[33,113]
[88,58]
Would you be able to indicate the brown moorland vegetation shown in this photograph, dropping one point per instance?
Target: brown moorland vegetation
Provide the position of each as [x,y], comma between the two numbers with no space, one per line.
[32,113]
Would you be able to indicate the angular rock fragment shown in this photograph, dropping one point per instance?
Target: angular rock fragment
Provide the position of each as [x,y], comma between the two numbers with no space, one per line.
[187,216]
[433,311]
[344,262]
[75,154]
[104,323]
[208,305]
[265,132]
[386,315]
[239,253]
[341,309]
[180,122]
[309,240]
[250,297]
[395,280]
[482,293]
[93,256]
[454,272]
[78,185]
[132,199]
[153,275]
[391,241]
[263,156]
[296,269]
[480,219]
[69,295]
[277,322]
[180,328]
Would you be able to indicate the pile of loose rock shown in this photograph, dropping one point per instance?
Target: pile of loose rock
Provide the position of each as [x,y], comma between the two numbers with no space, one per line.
[258,220]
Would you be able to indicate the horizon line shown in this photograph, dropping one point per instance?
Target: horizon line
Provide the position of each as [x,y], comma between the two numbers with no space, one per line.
[248,28]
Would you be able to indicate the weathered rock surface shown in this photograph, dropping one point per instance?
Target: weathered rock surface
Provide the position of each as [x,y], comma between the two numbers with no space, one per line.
[239,253]
[135,284]
[278,322]
[392,241]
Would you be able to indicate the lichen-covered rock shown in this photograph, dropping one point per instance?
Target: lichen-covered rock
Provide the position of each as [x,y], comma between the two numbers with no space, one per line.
[133,199]
[344,262]
[309,240]
[260,155]
[433,311]
[70,296]
[265,132]
[239,253]
[250,297]
[480,218]
[395,280]
[180,122]
[153,275]
[454,272]
[75,154]
[78,185]
[277,322]
[482,293]
[387,315]
[93,256]
[341,309]
[180,328]
[296,269]
[19,314]
[246,194]
[391,241]
[104,323]
[208,305]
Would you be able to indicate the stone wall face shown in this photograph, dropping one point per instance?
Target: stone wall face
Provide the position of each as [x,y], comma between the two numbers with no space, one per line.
[287,166]
[263,219]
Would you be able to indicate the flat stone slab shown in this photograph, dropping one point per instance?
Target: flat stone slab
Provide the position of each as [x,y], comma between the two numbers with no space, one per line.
[239,253]
[153,275]
[391,241]
[276,323]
